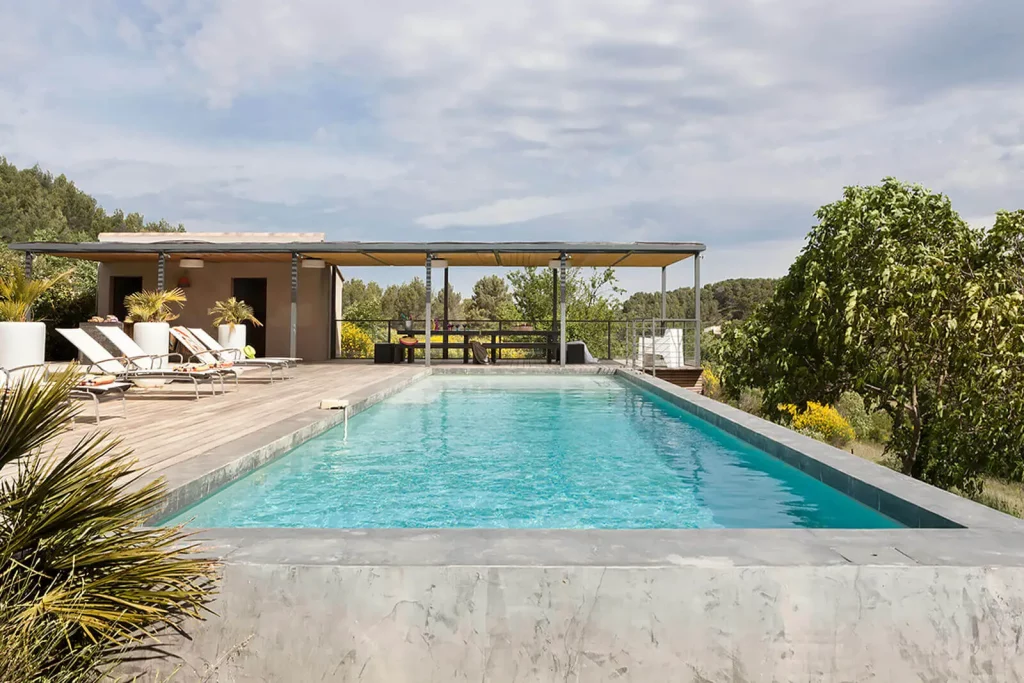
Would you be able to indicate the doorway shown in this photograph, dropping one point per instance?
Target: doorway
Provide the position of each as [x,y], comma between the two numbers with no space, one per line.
[253,291]
[120,287]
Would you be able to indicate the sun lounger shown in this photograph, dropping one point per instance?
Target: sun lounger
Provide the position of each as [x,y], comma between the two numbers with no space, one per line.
[95,388]
[131,370]
[235,354]
[133,351]
[202,351]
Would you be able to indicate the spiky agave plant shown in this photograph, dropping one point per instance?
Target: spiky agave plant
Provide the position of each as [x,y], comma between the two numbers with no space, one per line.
[233,312]
[154,306]
[82,583]
[18,293]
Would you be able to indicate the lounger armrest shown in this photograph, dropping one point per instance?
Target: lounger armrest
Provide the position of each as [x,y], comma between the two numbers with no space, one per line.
[154,356]
[231,354]
[42,366]
[94,368]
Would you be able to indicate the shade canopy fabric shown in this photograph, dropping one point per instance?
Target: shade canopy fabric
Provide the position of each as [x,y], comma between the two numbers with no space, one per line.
[485,254]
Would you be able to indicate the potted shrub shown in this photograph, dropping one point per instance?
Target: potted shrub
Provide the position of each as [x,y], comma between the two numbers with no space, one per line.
[22,342]
[229,317]
[151,313]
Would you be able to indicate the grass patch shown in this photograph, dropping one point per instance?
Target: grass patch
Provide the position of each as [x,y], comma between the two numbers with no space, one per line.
[998,494]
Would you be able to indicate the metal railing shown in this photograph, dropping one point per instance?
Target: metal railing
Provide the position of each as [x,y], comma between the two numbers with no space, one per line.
[662,343]
[643,344]
[605,339]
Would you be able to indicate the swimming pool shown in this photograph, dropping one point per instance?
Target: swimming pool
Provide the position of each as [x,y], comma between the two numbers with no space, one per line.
[554,451]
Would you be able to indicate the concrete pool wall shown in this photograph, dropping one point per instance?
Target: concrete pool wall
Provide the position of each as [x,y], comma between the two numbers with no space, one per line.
[939,603]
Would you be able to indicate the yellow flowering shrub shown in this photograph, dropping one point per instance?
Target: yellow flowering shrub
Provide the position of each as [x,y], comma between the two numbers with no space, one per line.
[354,342]
[712,383]
[820,422]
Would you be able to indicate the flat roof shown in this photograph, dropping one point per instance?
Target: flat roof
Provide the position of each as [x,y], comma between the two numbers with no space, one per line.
[488,254]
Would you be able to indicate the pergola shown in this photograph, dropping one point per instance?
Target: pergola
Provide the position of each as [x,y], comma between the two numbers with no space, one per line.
[558,255]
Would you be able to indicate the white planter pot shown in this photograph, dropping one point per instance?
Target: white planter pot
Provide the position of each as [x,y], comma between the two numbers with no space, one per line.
[154,338]
[231,336]
[22,344]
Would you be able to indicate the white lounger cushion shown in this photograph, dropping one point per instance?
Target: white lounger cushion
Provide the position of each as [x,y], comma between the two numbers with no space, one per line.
[128,346]
[92,350]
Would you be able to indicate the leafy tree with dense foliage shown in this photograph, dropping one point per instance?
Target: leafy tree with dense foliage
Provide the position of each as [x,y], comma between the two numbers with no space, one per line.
[491,300]
[35,206]
[897,298]
[407,299]
[82,582]
[361,302]
[591,294]
[678,305]
[456,306]
[736,299]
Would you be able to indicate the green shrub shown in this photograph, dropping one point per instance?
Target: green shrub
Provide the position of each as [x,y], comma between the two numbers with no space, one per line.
[354,342]
[751,401]
[851,406]
[876,426]
[82,583]
[881,426]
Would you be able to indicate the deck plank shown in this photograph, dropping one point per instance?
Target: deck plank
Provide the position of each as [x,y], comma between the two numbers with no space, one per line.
[165,426]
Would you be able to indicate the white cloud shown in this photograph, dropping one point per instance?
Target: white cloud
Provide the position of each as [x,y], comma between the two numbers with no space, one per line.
[520,210]
[576,119]
[129,33]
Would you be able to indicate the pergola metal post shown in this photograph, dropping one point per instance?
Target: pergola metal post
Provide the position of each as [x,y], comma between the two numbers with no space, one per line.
[696,309]
[161,267]
[444,325]
[426,322]
[29,257]
[561,291]
[664,304]
[554,300]
[294,328]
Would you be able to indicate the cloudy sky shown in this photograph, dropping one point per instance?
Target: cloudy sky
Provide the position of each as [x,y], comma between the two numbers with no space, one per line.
[723,121]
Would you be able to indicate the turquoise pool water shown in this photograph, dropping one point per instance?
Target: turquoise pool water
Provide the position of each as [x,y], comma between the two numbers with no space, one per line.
[518,452]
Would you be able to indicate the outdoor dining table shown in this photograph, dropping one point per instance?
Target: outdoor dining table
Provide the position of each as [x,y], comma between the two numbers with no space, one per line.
[549,337]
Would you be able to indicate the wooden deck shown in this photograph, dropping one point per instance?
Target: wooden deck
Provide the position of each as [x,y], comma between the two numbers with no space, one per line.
[168,425]
[687,378]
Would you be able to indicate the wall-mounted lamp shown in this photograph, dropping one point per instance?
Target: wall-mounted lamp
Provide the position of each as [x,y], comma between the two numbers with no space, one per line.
[191,263]
[313,263]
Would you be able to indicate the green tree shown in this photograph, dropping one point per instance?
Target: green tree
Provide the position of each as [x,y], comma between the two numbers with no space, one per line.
[736,299]
[591,294]
[678,305]
[532,292]
[897,298]
[35,206]
[456,307]
[408,299]
[355,291]
[491,300]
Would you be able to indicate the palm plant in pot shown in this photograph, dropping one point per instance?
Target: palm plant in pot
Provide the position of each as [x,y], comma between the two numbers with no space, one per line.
[22,342]
[151,313]
[230,317]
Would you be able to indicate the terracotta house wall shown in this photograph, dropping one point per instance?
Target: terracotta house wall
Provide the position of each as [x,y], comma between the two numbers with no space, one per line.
[212,283]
